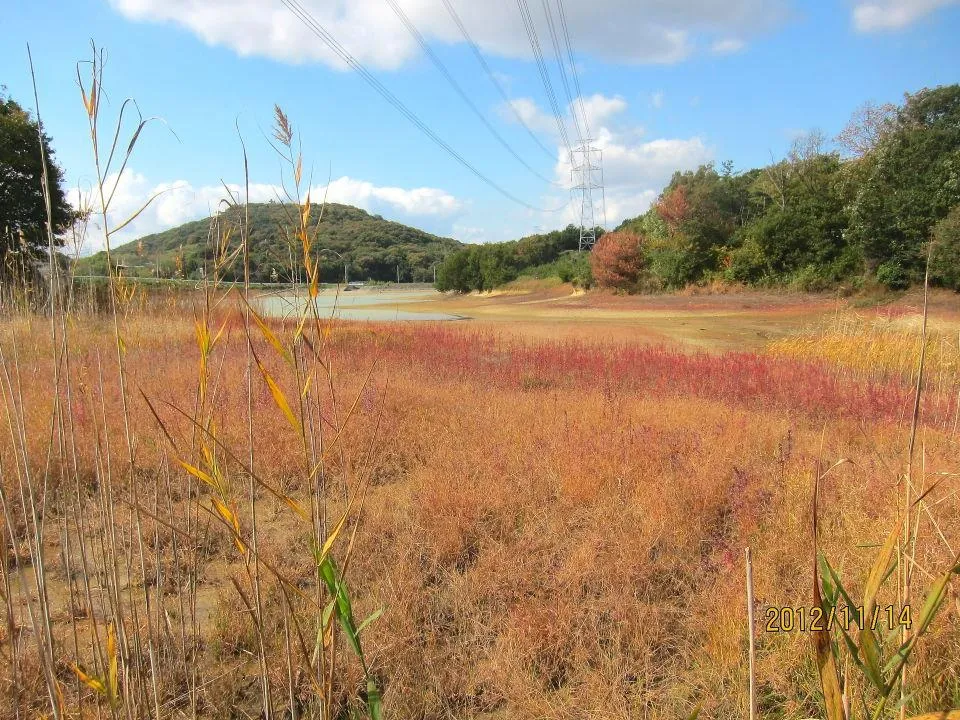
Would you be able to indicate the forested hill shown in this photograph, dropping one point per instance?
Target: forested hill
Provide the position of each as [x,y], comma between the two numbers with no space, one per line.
[373,247]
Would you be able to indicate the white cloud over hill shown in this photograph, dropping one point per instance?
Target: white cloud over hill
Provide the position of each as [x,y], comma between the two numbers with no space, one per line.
[178,202]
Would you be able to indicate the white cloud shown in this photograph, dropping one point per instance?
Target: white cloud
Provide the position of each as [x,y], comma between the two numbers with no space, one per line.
[179,202]
[629,31]
[727,46]
[600,109]
[415,201]
[649,164]
[881,15]
[656,99]
[469,233]
[527,110]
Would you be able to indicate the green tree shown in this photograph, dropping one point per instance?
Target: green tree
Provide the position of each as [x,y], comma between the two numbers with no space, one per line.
[372,246]
[23,212]
[689,230]
[910,181]
[945,254]
[485,267]
[454,273]
[800,232]
[497,265]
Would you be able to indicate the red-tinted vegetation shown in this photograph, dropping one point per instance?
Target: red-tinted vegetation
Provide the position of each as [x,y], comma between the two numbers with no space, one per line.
[616,261]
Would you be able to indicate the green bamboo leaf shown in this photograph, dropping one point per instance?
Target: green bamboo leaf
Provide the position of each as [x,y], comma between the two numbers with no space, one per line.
[870,652]
[935,597]
[827,582]
[835,578]
[369,619]
[835,582]
[343,607]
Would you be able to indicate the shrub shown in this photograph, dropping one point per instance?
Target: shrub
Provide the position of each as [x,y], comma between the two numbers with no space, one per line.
[809,278]
[616,261]
[574,268]
[748,263]
[893,275]
[673,267]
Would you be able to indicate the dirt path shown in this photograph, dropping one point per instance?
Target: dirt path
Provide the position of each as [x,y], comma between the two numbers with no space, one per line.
[716,322]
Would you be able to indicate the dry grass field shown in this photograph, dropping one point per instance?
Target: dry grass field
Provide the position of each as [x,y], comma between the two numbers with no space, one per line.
[546,516]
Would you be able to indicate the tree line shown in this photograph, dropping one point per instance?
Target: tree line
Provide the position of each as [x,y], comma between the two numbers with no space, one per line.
[865,210]
[484,267]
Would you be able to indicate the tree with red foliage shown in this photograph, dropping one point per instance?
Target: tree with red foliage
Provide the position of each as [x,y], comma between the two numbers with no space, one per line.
[616,260]
[673,207]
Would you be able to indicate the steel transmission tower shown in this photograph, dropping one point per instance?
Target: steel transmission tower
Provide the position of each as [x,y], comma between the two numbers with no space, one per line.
[587,173]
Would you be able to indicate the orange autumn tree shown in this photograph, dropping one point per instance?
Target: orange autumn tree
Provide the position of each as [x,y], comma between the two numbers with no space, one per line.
[616,260]
[673,208]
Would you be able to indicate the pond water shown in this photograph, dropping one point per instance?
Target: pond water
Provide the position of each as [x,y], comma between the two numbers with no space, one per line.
[356,305]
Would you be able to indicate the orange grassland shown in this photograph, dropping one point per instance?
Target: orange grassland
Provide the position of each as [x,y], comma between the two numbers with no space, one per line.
[557,502]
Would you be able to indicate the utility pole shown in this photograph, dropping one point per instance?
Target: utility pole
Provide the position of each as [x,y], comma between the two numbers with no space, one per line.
[587,173]
[342,258]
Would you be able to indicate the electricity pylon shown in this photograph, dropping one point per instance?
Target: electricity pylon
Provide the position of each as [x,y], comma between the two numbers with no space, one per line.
[587,174]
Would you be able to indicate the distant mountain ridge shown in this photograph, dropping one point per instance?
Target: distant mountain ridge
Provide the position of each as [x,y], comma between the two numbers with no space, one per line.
[373,248]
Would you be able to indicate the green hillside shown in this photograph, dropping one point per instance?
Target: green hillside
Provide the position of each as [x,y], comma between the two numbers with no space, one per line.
[372,246]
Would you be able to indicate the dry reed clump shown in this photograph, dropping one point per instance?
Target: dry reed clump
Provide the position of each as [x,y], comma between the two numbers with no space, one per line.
[885,346]
[123,459]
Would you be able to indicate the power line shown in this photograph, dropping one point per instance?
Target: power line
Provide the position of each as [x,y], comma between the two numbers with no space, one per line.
[573,64]
[583,173]
[493,77]
[412,29]
[331,42]
[544,74]
[563,72]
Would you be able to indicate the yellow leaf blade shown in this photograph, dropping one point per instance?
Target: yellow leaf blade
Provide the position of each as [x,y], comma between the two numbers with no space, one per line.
[279,398]
[199,474]
[90,681]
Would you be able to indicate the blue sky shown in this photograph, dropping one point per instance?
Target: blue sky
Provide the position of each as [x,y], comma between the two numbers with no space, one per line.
[666,86]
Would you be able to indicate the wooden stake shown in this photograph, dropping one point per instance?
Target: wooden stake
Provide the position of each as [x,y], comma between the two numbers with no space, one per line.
[753,696]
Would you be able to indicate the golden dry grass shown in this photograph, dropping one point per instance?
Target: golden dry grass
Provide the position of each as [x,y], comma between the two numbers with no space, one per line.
[879,346]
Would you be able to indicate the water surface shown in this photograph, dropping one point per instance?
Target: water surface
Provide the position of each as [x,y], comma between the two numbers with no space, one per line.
[356,305]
